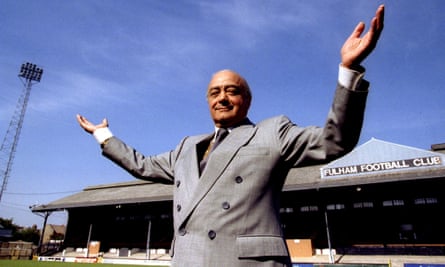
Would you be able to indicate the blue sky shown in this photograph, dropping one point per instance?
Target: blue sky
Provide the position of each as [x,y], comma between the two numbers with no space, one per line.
[145,66]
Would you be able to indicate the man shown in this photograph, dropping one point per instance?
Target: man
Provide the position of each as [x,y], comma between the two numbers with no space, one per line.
[226,211]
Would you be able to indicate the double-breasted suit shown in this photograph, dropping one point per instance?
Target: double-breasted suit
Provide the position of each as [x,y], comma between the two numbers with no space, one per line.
[228,215]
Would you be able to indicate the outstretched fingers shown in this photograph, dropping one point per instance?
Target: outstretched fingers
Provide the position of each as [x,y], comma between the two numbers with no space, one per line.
[358,47]
[88,126]
[377,23]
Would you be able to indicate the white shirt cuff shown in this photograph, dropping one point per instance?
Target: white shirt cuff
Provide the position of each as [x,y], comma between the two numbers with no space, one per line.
[348,78]
[102,134]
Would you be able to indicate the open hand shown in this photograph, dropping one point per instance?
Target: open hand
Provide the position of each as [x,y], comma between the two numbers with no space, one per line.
[88,126]
[356,49]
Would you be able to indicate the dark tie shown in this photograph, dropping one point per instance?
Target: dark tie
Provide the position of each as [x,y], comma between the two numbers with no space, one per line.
[220,135]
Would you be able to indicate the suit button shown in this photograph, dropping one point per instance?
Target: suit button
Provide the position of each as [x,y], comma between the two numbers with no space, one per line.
[178,207]
[212,234]
[182,231]
[239,179]
[178,183]
[226,205]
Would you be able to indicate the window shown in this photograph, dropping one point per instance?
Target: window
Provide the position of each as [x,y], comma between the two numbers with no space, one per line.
[335,207]
[309,208]
[361,205]
[287,210]
[393,202]
[425,200]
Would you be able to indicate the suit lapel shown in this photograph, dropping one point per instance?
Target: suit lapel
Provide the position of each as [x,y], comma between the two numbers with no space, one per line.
[219,159]
[194,173]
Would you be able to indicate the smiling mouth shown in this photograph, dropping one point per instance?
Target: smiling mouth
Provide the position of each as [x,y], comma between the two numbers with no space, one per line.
[223,109]
[217,107]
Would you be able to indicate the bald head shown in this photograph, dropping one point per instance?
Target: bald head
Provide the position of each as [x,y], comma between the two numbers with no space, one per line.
[235,77]
[229,97]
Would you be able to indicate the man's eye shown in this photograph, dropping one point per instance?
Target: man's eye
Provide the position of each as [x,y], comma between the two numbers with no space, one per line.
[233,91]
[213,93]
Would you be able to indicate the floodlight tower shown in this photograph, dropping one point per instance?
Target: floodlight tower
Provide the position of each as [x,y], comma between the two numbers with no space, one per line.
[29,74]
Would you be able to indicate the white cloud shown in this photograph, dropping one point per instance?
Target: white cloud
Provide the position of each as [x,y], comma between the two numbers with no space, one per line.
[72,89]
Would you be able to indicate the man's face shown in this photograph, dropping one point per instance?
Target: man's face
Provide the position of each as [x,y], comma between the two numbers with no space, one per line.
[228,98]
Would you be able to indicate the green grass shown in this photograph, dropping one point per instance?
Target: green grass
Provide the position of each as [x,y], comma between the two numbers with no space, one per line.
[33,263]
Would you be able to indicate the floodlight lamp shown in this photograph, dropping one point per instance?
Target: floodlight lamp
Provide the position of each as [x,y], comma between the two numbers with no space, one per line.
[31,72]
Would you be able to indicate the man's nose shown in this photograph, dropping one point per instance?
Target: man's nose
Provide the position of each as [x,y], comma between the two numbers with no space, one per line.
[222,96]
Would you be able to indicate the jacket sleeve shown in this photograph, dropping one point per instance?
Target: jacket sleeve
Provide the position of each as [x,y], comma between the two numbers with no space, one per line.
[159,168]
[345,119]
[309,145]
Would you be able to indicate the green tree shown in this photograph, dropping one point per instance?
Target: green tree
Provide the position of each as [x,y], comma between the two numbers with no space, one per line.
[29,234]
[7,224]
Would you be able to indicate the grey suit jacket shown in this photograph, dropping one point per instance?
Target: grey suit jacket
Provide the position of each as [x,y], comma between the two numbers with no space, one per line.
[229,214]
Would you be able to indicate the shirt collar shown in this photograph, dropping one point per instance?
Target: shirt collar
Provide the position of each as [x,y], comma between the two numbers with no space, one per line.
[216,131]
[245,121]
